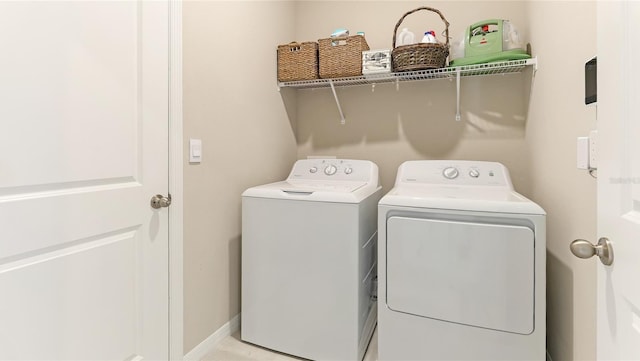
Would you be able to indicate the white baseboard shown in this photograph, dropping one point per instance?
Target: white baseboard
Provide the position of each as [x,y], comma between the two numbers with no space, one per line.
[206,346]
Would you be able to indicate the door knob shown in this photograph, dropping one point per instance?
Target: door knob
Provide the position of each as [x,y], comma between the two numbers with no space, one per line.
[160,201]
[584,249]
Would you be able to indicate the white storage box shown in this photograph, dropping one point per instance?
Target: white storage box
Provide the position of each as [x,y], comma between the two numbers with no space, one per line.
[376,61]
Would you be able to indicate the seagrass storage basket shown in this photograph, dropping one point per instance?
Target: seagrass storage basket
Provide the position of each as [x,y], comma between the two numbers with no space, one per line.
[298,61]
[420,56]
[342,56]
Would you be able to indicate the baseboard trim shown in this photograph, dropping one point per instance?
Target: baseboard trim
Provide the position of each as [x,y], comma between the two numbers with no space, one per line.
[206,346]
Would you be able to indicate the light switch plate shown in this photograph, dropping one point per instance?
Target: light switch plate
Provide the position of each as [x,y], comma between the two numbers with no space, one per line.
[593,149]
[195,150]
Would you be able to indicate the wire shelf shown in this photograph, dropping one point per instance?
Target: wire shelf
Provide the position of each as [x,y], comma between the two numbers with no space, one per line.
[505,67]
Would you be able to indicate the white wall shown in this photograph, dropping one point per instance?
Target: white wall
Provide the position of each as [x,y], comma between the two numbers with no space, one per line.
[230,102]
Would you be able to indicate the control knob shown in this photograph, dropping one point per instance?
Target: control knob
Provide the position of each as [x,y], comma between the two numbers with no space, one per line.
[450,172]
[330,170]
[348,170]
[313,169]
[474,173]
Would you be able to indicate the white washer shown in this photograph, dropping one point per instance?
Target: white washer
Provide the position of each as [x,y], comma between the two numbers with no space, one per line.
[461,265]
[309,260]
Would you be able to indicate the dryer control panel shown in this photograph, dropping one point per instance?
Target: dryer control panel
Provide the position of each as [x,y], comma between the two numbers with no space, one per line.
[454,172]
[335,169]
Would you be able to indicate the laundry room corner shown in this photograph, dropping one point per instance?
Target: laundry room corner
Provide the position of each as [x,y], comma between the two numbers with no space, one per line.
[392,123]
[251,133]
[563,36]
[231,105]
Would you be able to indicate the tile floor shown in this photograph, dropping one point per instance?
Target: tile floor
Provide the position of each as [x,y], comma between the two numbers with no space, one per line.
[232,349]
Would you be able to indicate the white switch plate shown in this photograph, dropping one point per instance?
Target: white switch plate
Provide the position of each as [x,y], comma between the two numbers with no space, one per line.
[587,151]
[195,150]
[593,149]
[582,153]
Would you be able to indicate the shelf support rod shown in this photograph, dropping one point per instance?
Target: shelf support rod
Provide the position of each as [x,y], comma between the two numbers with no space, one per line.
[333,89]
[458,94]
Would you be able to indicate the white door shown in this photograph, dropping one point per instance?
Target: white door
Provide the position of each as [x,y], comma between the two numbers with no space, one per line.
[83,147]
[619,179]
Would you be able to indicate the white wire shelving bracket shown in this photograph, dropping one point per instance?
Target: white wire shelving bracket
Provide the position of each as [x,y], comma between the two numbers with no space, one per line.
[335,96]
[504,67]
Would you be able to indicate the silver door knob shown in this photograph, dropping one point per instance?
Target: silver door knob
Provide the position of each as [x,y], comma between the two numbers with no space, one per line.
[584,249]
[160,201]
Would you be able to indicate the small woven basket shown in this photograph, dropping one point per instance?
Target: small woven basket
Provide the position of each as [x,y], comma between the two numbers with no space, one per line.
[422,55]
[341,57]
[298,61]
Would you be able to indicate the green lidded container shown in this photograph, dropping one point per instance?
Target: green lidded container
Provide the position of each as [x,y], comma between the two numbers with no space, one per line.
[489,41]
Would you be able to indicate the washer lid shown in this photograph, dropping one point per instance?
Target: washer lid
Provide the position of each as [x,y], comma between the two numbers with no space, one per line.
[321,186]
[465,198]
[310,190]
[324,180]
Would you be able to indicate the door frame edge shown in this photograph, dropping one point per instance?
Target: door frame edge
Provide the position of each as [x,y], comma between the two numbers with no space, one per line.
[176,187]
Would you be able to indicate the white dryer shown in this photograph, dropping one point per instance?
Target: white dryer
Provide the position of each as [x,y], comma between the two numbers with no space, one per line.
[309,260]
[461,265]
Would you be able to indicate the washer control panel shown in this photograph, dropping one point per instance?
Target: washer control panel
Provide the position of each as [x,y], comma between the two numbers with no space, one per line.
[442,172]
[335,169]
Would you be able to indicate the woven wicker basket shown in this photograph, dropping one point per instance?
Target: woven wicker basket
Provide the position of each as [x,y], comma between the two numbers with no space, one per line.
[422,55]
[341,57]
[298,61]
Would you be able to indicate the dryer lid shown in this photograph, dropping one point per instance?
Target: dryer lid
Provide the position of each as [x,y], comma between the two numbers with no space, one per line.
[458,185]
[475,274]
[478,199]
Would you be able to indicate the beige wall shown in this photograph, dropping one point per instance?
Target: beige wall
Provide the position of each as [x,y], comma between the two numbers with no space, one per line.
[532,132]
[390,126]
[564,37]
[231,103]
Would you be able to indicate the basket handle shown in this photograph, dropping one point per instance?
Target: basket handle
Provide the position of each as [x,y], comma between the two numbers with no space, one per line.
[446,23]
[294,46]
